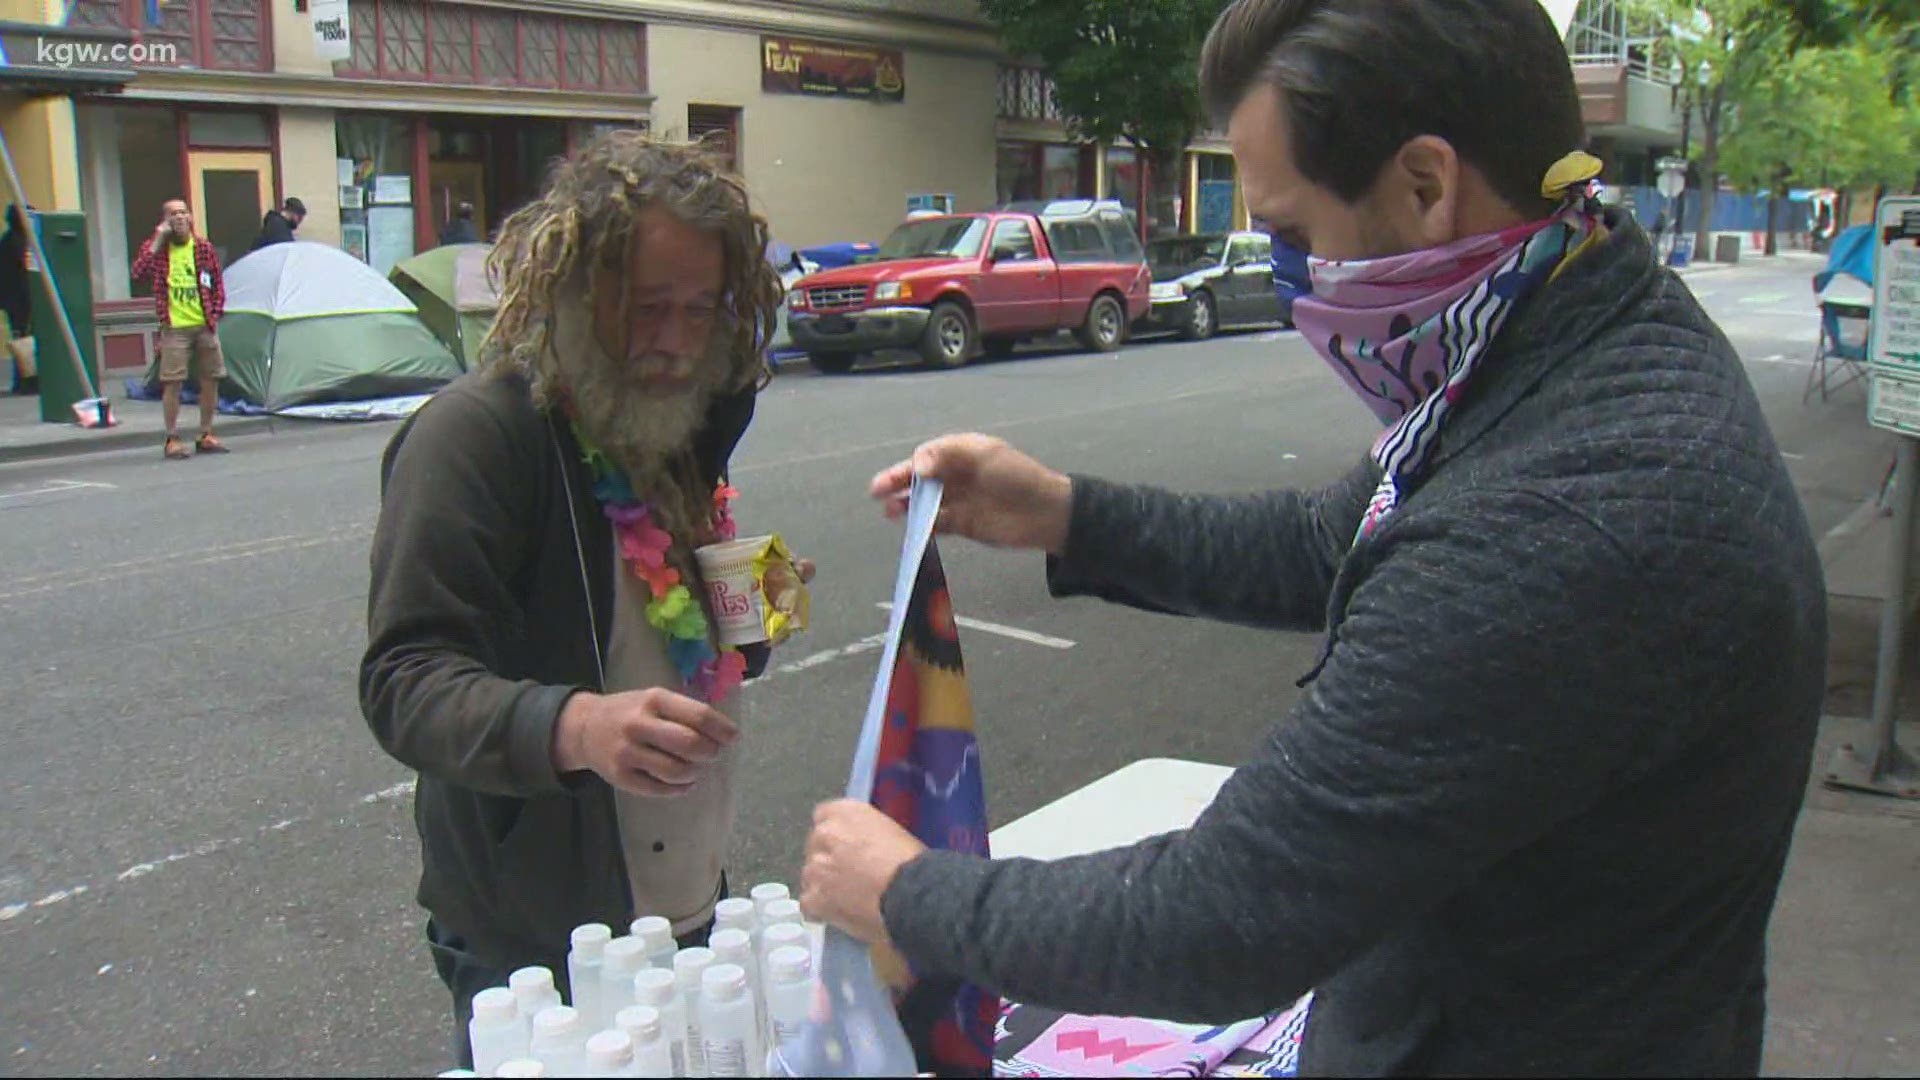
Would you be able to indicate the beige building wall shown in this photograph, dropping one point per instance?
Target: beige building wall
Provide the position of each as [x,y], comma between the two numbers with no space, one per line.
[307,156]
[831,169]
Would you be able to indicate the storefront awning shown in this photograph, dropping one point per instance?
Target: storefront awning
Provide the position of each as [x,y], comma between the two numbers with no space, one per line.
[53,61]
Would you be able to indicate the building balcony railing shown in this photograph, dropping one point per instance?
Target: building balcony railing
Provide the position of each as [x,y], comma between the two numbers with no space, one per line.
[1027,93]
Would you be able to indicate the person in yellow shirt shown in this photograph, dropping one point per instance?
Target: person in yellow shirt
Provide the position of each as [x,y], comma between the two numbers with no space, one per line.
[189,297]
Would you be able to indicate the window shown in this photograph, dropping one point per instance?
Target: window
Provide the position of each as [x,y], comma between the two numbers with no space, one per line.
[1077,242]
[221,35]
[1122,237]
[1013,242]
[718,126]
[437,41]
[228,129]
[1245,251]
[949,238]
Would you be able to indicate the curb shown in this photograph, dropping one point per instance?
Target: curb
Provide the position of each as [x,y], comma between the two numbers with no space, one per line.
[108,441]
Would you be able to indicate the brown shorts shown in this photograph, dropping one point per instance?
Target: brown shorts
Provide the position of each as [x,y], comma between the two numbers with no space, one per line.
[195,346]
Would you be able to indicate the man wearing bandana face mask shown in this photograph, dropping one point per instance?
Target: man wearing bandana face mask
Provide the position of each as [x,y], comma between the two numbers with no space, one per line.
[1530,814]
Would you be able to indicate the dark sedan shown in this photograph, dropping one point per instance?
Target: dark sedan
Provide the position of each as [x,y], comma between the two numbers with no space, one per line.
[1213,281]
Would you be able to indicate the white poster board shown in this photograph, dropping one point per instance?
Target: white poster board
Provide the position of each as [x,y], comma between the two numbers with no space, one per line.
[1893,336]
[332,35]
[393,188]
[389,237]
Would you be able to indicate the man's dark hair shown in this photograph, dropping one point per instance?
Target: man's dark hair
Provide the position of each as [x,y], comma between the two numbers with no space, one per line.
[464,211]
[1359,78]
[295,206]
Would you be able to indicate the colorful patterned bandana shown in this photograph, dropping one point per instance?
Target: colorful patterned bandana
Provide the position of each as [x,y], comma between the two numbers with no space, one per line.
[1407,332]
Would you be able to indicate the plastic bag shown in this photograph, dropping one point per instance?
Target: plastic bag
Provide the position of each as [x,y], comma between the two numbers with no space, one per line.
[919,761]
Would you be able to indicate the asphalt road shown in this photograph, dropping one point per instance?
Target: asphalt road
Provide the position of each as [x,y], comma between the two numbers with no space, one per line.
[208,865]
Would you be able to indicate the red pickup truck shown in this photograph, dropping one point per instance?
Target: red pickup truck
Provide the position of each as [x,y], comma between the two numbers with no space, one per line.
[956,285]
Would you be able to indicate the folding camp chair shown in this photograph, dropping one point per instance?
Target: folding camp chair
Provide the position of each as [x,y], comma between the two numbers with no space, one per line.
[1842,352]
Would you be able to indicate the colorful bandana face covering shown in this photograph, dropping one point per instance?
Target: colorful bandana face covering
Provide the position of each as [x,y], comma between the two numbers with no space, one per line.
[1407,332]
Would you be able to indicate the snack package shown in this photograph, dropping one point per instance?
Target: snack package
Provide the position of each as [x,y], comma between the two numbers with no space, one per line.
[756,590]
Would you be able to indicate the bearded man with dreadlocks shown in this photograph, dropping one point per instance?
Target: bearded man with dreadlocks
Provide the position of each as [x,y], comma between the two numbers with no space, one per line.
[539,646]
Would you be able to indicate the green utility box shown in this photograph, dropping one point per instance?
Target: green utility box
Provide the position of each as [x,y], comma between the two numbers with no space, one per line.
[63,236]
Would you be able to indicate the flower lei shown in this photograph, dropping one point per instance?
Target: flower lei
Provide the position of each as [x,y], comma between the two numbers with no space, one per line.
[709,674]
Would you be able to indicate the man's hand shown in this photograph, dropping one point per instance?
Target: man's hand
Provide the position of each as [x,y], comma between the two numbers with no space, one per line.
[644,742]
[852,856]
[994,493]
[160,232]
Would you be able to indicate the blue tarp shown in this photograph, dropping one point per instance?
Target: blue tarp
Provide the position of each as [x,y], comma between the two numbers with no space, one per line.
[833,256]
[1852,254]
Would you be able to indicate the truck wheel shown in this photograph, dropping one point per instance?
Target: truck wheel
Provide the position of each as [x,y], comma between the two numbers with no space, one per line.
[1202,317]
[949,338]
[832,363]
[1106,325]
[999,348]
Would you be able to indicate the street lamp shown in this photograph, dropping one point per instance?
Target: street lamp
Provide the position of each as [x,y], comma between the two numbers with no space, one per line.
[1672,185]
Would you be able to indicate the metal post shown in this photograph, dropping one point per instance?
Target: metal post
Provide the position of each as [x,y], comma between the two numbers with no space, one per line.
[1883,767]
[46,275]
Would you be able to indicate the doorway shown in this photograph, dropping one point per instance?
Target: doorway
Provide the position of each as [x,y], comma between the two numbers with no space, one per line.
[232,191]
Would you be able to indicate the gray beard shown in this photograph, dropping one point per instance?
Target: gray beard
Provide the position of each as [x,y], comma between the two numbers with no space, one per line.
[640,432]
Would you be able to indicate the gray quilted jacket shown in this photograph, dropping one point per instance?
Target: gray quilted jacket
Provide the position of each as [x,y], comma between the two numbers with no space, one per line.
[1530,813]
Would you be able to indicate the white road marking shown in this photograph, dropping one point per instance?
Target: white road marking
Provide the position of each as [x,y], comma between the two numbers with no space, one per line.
[54,487]
[1763,298]
[864,645]
[1013,632]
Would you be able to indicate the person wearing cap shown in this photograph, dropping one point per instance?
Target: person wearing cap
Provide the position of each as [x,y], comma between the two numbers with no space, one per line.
[1530,812]
[278,226]
[461,229]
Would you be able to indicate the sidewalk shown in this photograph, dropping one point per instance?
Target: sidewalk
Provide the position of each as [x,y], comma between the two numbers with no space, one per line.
[1844,963]
[25,437]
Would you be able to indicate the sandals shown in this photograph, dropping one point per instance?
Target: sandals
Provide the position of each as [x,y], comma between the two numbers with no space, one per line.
[176,450]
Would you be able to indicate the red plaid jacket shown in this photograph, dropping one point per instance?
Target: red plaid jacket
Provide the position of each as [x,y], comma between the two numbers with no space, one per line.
[151,264]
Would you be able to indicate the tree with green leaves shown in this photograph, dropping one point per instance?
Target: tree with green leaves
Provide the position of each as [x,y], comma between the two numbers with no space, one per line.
[1121,69]
[1825,116]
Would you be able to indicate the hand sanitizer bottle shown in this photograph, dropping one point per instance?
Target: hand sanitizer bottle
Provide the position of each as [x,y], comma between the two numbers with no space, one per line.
[625,957]
[560,1040]
[658,989]
[523,1069]
[789,992]
[610,1055]
[583,972]
[734,913]
[765,894]
[497,1033]
[727,1022]
[533,989]
[689,966]
[658,934]
[736,947]
[652,1057]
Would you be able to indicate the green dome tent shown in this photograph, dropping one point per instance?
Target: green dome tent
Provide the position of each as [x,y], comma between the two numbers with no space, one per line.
[449,285]
[308,323]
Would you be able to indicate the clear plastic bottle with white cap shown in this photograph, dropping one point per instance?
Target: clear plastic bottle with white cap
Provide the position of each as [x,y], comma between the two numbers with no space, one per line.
[735,913]
[659,989]
[625,957]
[727,1024]
[609,1055]
[689,965]
[782,935]
[559,1040]
[497,1033]
[460,1072]
[764,894]
[736,947]
[657,932]
[652,1056]
[789,993]
[583,972]
[523,1069]
[533,989]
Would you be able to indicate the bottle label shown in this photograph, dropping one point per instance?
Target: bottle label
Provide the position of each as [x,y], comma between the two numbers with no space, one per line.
[726,1057]
[679,1054]
[696,1050]
[785,1030]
